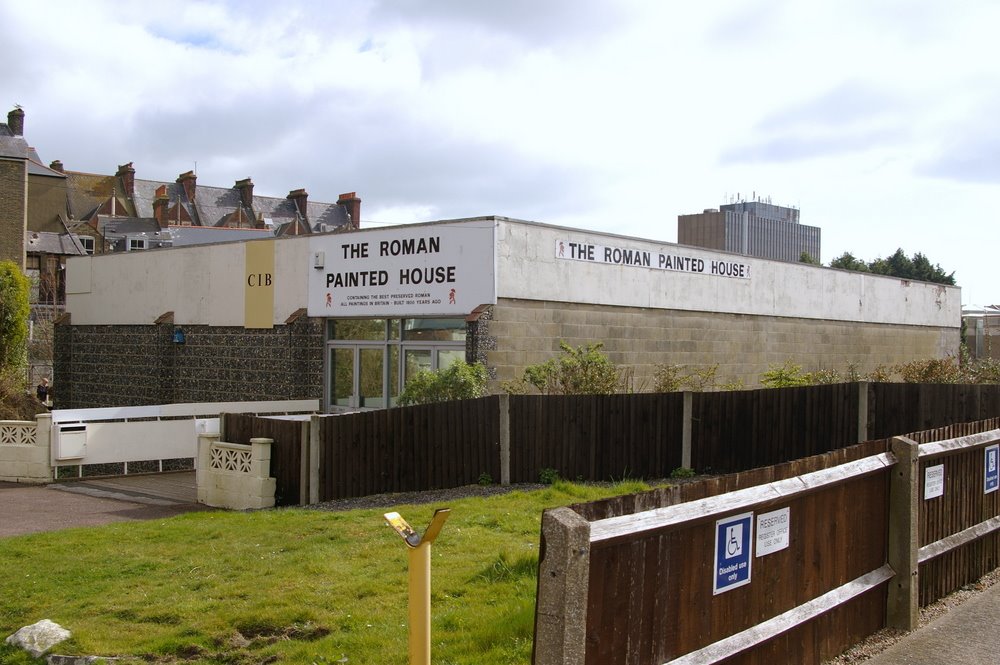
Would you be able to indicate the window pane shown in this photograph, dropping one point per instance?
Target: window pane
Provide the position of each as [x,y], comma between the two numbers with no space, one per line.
[372,330]
[438,330]
[447,356]
[342,372]
[393,374]
[416,360]
[372,378]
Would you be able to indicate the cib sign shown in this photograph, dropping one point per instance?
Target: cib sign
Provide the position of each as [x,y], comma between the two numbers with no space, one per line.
[434,269]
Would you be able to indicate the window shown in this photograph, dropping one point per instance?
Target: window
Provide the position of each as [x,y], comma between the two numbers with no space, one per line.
[135,243]
[87,242]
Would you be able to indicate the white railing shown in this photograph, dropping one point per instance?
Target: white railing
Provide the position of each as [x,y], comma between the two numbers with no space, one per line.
[233,475]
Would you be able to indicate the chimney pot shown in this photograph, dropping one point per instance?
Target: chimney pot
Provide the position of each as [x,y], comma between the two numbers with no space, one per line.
[57,166]
[352,204]
[15,120]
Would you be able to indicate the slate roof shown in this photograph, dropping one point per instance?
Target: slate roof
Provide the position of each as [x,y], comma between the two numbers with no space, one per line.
[45,242]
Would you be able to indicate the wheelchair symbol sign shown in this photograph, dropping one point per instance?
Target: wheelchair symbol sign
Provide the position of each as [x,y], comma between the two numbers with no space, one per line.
[991,468]
[733,536]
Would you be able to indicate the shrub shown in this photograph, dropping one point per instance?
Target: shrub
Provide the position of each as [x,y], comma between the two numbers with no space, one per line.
[582,370]
[682,472]
[548,476]
[14,311]
[934,370]
[787,376]
[459,380]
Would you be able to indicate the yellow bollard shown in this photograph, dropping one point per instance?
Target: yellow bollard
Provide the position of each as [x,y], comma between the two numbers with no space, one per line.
[420,580]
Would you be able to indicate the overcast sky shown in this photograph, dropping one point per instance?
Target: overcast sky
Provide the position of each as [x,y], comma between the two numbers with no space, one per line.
[879,119]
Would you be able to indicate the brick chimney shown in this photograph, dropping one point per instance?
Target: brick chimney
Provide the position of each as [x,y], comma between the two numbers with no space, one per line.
[57,166]
[299,197]
[127,174]
[246,192]
[160,204]
[352,204]
[15,120]
[188,181]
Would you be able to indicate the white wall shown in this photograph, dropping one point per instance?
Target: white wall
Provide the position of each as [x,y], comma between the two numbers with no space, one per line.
[204,284]
[527,267]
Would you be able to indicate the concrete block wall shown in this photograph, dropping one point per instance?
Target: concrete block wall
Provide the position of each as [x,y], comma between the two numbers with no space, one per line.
[24,455]
[132,365]
[231,489]
[526,332]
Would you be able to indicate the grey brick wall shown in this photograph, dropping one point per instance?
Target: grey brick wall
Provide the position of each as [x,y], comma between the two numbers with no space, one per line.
[97,366]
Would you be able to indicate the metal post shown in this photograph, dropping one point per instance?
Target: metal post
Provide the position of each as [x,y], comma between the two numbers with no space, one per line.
[419,580]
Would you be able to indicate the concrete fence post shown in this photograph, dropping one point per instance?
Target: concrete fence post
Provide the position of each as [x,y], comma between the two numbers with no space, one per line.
[261,457]
[903,607]
[202,468]
[314,458]
[686,430]
[304,463]
[504,439]
[563,578]
[863,389]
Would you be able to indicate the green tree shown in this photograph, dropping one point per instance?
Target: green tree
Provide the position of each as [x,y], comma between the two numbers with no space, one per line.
[459,380]
[14,311]
[898,264]
[847,261]
[806,257]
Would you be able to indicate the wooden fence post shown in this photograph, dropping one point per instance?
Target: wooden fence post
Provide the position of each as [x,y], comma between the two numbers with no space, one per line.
[504,439]
[863,411]
[902,609]
[686,425]
[563,578]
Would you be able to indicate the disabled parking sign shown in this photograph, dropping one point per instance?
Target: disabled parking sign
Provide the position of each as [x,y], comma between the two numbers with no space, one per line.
[991,469]
[733,538]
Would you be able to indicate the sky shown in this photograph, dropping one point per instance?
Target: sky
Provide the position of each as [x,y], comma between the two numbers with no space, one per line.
[878,119]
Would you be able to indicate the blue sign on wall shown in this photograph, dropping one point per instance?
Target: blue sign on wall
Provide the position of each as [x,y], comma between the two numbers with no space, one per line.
[733,538]
[991,477]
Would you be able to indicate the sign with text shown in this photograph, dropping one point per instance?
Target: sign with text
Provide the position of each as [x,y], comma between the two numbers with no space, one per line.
[437,269]
[991,469]
[772,531]
[675,261]
[733,541]
[934,482]
[258,285]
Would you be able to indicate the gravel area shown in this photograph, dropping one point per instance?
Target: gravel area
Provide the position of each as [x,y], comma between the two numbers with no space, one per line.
[430,496]
[878,642]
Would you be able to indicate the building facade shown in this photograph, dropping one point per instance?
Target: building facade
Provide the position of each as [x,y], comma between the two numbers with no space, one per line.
[752,228]
[347,317]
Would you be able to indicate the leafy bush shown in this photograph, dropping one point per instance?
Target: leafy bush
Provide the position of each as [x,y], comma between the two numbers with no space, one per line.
[787,376]
[14,311]
[582,370]
[934,370]
[682,472]
[548,476]
[459,380]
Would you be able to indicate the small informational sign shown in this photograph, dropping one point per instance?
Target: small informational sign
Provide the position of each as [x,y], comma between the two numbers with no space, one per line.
[934,482]
[772,531]
[733,540]
[991,465]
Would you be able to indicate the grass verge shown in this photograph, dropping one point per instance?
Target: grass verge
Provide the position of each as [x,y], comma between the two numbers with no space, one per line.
[288,586]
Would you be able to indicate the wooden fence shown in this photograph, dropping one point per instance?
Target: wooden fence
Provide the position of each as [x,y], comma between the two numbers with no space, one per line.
[288,451]
[636,579]
[600,437]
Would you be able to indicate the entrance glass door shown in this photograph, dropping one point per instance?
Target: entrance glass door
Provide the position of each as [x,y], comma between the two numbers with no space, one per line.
[357,376]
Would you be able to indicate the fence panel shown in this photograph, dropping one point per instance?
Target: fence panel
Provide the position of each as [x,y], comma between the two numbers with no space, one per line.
[405,449]
[912,407]
[286,451]
[595,437]
[745,429]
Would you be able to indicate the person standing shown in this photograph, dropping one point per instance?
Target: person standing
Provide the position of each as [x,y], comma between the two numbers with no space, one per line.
[42,391]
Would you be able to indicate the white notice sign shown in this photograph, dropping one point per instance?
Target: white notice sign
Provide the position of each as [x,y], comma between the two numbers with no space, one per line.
[772,531]
[934,482]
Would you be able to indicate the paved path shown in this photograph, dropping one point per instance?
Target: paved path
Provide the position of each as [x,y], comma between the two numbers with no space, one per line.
[966,634]
[35,508]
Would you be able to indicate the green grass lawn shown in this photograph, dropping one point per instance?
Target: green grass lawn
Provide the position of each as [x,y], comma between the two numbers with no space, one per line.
[289,586]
